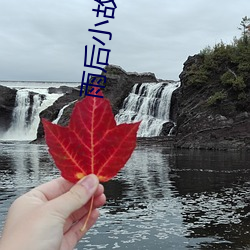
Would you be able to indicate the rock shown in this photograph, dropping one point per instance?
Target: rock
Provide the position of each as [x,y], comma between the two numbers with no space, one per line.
[7,105]
[184,76]
[176,96]
[52,112]
[60,90]
[31,101]
[242,116]
[166,128]
[224,126]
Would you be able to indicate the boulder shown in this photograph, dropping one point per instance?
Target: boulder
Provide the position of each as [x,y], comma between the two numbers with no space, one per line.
[166,128]
[60,90]
[51,113]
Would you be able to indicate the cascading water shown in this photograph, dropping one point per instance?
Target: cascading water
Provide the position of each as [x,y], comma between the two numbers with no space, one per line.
[20,112]
[25,117]
[61,112]
[149,103]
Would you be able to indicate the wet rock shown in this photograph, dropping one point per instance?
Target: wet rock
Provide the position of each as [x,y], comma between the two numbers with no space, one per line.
[7,105]
[51,113]
[166,128]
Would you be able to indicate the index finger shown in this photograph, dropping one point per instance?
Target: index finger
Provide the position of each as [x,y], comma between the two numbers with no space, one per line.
[54,188]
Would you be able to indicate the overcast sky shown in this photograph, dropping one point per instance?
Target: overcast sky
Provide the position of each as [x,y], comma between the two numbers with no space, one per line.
[45,39]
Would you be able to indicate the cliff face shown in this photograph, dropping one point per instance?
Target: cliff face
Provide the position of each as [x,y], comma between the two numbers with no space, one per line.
[7,104]
[210,115]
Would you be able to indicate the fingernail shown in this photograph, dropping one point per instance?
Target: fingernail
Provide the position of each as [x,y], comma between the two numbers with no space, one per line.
[89,182]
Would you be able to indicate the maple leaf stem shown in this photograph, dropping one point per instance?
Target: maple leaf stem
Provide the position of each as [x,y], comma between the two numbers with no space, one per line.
[88,216]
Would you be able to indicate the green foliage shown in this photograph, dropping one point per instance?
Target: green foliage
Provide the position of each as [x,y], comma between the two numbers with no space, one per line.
[228,78]
[206,51]
[244,67]
[210,65]
[216,98]
[245,22]
[226,67]
[197,75]
[239,84]
[222,53]
[232,80]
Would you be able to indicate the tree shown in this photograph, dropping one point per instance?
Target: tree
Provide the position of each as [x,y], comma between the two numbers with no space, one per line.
[245,28]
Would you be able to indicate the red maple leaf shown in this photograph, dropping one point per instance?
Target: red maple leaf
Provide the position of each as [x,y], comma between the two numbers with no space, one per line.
[92,143]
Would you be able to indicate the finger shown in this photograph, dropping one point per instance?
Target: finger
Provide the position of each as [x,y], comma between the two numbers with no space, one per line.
[75,234]
[54,188]
[77,215]
[75,198]
[99,191]
[99,201]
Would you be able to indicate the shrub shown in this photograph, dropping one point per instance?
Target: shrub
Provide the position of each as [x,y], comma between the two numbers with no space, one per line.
[216,98]
[244,68]
[236,82]
[197,75]
[206,51]
[228,78]
[239,84]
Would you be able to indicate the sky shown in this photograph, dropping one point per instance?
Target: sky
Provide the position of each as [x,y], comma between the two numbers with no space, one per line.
[45,40]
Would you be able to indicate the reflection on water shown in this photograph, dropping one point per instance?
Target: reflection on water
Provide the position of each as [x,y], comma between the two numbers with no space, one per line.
[215,191]
[22,167]
[141,209]
[160,200]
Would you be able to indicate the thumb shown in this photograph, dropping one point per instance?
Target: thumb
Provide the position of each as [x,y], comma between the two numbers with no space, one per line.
[76,197]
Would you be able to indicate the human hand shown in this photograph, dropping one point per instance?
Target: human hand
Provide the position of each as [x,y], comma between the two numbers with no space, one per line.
[50,216]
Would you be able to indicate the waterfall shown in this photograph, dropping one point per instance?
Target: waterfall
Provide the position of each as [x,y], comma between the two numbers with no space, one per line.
[20,112]
[61,112]
[149,103]
[25,117]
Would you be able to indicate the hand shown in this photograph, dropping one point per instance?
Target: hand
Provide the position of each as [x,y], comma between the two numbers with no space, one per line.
[50,216]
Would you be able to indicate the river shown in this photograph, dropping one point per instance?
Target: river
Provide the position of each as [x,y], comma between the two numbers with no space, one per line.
[162,199]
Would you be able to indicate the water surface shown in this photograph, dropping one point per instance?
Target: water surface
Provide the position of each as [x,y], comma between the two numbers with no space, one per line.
[161,200]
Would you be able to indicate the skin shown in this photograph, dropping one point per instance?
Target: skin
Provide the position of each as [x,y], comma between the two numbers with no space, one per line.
[50,216]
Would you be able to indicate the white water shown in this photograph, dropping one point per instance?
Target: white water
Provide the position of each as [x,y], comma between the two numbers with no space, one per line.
[149,103]
[25,122]
[61,112]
